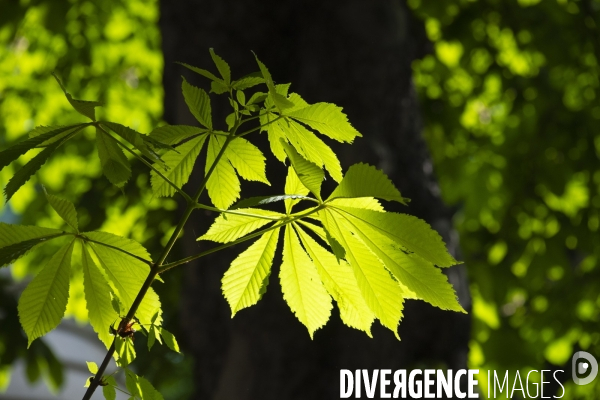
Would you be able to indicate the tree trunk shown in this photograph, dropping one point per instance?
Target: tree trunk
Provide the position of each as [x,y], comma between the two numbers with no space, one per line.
[356,54]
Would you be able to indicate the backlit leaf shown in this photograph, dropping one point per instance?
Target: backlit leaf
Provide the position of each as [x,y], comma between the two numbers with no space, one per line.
[44,301]
[247,159]
[301,286]
[65,209]
[18,240]
[198,102]
[179,166]
[98,298]
[115,165]
[223,185]
[229,227]
[246,279]
[309,174]
[328,119]
[362,180]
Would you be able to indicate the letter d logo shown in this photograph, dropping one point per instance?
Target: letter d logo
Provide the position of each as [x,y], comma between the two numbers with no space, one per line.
[580,368]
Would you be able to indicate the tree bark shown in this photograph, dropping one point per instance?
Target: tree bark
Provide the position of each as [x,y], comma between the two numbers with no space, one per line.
[356,54]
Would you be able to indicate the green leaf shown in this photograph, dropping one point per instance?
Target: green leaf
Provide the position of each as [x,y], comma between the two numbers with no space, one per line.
[420,277]
[367,203]
[23,174]
[223,184]
[15,151]
[140,387]
[125,350]
[178,167]
[44,301]
[293,185]
[263,200]
[202,72]
[410,232]
[169,339]
[339,280]
[153,335]
[18,240]
[247,278]
[175,134]
[40,130]
[98,298]
[328,119]
[364,180]
[275,134]
[302,288]
[137,140]
[222,66]
[198,102]
[229,227]
[381,293]
[218,87]
[309,174]
[125,274]
[65,209]
[280,101]
[248,81]
[115,165]
[84,107]
[247,159]
[109,391]
[312,148]
[92,367]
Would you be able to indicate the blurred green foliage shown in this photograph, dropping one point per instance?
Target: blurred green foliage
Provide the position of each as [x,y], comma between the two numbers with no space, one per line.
[510,96]
[107,50]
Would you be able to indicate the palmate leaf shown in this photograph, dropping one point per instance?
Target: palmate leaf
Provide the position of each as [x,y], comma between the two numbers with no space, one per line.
[44,301]
[328,119]
[381,293]
[22,175]
[339,280]
[18,240]
[223,184]
[198,102]
[175,134]
[179,166]
[309,174]
[230,227]
[293,185]
[65,209]
[422,279]
[363,180]
[125,274]
[301,286]
[248,276]
[115,165]
[97,297]
[15,151]
[410,232]
[247,159]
